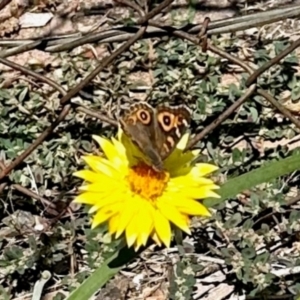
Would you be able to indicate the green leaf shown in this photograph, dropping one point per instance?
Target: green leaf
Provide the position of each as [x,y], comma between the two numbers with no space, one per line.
[262,258]
[248,252]
[23,94]
[233,221]
[248,224]
[260,175]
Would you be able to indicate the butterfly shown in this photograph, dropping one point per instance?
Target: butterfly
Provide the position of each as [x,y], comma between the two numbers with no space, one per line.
[155,131]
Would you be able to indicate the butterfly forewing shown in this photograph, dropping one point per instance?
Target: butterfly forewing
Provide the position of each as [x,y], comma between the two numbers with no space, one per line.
[139,125]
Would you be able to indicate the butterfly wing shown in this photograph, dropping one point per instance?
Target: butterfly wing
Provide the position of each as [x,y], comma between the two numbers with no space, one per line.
[139,124]
[172,124]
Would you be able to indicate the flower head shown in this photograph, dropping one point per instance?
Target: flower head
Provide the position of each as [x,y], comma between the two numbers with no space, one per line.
[136,200]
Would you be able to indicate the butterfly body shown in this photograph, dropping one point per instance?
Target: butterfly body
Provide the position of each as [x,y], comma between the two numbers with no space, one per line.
[155,131]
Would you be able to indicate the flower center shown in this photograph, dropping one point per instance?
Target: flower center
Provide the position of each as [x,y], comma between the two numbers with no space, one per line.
[147,182]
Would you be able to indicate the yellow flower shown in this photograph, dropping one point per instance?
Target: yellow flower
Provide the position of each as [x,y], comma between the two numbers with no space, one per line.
[135,200]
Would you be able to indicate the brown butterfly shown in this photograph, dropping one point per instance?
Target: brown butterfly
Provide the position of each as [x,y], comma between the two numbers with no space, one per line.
[155,131]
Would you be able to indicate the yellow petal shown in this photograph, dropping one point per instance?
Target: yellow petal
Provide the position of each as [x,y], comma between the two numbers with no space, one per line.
[101,165]
[120,148]
[203,169]
[131,232]
[107,147]
[137,245]
[173,215]
[113,223]
[145,219]
[162,228]
[107,199]
[201,192]
[188,181]
[115,152]
[104,186]
[105,213]
[144,224]
[188,206]
[156,239]
[129,212]
[91,198]
[196,192]
[195,152]
[91,176]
